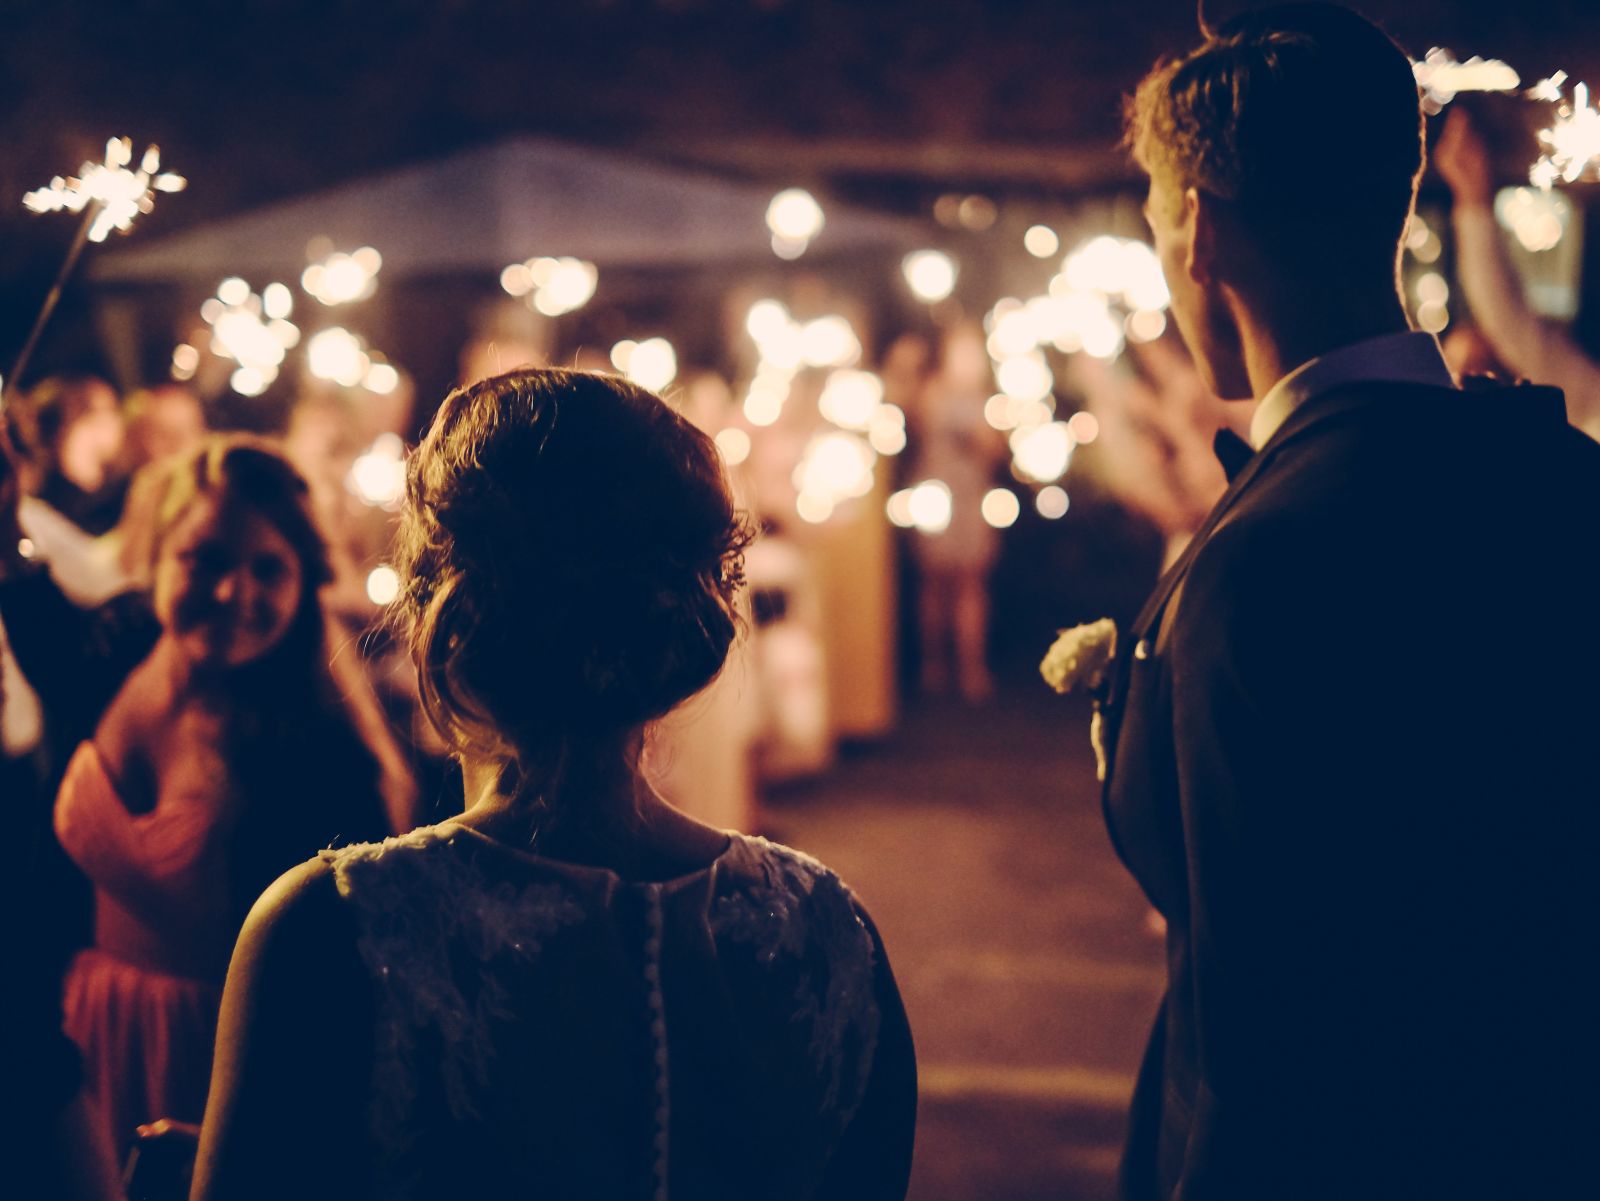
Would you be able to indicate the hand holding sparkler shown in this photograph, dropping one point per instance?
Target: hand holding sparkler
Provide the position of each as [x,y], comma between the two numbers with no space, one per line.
[1463,161]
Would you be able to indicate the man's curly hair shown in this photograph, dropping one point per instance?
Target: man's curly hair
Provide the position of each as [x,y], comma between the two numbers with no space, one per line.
[1305,117]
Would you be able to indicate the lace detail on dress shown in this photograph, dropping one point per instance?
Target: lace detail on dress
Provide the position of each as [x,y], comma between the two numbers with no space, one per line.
[419,897]
[803,915]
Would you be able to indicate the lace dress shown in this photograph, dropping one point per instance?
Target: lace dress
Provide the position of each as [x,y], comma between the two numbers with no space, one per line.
[545,1029]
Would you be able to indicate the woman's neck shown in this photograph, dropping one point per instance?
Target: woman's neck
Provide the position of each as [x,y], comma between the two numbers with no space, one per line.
[613,820]
[171,666]
[608,799]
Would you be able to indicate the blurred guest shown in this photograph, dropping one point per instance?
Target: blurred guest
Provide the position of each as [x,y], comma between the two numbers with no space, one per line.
[323,440]
[71,428]
[218,746]
[1533,348]
[1157,423]
[952,443]
[506,334]
[905,369]
[163,421]
[700,759]
[334,436]
[45,1119]
[572,989]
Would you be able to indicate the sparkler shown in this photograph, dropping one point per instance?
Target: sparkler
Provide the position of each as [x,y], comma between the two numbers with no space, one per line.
[553,285]
[1548,89]
[1572,144]
[110,196]
[1442,78]
[342,278]
[253,331]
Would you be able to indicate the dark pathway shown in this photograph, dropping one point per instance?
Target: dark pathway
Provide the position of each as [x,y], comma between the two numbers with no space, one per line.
[974,836]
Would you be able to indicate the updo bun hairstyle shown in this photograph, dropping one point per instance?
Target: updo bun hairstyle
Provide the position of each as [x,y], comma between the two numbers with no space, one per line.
[570,557]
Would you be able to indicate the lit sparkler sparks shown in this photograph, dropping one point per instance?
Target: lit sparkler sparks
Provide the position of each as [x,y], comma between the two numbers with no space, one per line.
[1442,78]
[1572,144]
[553,286]
[110,196]
[342,278]
[120,194]
[253,331]
[1548,89]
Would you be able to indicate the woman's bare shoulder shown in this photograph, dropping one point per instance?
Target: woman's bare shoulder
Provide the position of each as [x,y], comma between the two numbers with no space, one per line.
[306,888]
[298,924]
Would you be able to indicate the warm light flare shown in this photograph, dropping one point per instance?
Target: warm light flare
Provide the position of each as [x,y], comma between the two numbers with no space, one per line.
[343,278]
[834,467]
[652,364]
[383,585]
[850,398]
[1043,452]
[795,216]
[1537,219]
[1051,502]
[930,274]
[734,445]
[1041,241]
[1001,508]
[929,506]
[338,356]
[378,477]
[243,330]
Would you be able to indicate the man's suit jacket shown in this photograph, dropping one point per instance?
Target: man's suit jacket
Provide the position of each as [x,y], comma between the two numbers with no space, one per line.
[1356,765]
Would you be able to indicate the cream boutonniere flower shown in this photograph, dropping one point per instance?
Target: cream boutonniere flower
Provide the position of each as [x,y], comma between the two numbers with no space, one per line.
[1080,657]
[1079,660]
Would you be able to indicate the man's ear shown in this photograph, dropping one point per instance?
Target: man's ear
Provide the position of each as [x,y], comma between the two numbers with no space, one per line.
[1199,224]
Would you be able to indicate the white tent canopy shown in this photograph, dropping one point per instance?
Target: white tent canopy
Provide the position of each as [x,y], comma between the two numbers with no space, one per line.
[493,205]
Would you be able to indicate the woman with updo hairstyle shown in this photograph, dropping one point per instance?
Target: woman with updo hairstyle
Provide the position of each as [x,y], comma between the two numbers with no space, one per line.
[572,989]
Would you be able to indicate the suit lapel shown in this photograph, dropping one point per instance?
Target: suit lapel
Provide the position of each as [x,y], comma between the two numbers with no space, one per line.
[1140,641]
[1314,413]
[1150,615]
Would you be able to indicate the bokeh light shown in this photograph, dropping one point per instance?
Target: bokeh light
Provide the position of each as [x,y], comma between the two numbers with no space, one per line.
[378,477]
[383,585]
[734,445]
[1043,452]
[795,218]
[930,274]
[850,398]
[1084,427]
[343,278]
[1001,508]
[929,506]
[1041,241]
[1051,502]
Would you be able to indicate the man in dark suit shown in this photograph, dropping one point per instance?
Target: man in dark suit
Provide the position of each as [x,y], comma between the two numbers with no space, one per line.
[1354,732]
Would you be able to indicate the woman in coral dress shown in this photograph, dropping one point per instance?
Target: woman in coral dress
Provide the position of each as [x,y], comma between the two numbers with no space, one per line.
[227,753]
